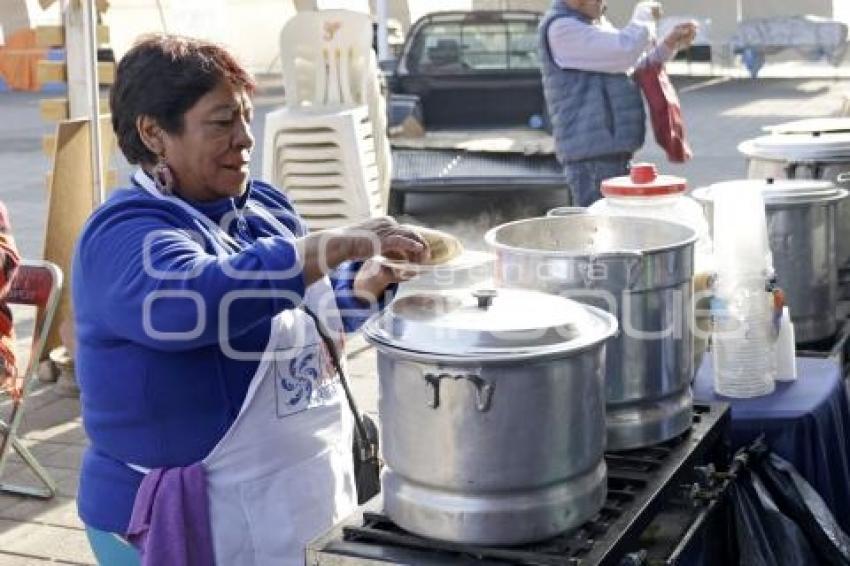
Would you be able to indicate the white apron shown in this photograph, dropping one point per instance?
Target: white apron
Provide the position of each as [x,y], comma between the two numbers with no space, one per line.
[283,473]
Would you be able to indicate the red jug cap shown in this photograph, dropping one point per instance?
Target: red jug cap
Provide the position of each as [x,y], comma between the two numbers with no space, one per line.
[643,181]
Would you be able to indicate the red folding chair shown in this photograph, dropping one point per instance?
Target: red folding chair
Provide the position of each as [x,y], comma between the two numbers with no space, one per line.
[36,283]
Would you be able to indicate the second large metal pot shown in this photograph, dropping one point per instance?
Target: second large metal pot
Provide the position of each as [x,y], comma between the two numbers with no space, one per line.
[641,271]
[814,154]
[492,414]
[801,220]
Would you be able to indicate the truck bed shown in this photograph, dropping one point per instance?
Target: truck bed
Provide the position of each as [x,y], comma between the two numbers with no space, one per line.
[459,170]
[526,141]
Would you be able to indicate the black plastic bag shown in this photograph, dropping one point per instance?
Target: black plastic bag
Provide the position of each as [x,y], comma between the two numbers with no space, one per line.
[780,519]
[765,536]
[797,500]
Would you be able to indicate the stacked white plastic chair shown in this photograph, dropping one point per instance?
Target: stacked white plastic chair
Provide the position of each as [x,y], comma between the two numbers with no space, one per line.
[327,148]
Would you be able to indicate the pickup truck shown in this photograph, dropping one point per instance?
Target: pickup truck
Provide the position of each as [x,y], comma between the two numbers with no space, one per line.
[466,108]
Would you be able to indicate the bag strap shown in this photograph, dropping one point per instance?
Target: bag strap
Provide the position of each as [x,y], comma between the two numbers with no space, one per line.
[365,447]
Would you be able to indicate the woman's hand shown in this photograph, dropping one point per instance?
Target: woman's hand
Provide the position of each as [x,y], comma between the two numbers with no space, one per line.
[384,236]
[323,251]
[373,278]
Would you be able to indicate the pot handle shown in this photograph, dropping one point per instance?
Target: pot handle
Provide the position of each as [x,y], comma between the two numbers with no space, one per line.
[567,211]
[483,390]
[843,177]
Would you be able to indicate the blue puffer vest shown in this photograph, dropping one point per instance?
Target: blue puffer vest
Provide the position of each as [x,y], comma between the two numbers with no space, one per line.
[593,114]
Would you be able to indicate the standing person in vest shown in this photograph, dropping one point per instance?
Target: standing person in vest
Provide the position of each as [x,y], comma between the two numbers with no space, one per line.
[596,110]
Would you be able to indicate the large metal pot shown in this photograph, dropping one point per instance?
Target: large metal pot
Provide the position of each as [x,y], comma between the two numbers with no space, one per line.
[792,152]
[492,414]
[639,269]
[801,217]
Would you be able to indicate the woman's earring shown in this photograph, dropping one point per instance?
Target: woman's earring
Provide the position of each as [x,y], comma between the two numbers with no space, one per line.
[163,177]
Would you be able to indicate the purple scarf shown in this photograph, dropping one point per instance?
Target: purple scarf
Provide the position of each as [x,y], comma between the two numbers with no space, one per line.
[171,522]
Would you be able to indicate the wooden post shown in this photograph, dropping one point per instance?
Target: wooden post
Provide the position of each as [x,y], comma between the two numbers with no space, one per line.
[78,180]
[76,58]
[162,19]
[80,19]
[383,38]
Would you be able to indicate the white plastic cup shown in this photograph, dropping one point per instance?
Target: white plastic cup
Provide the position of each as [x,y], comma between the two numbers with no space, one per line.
[743,341]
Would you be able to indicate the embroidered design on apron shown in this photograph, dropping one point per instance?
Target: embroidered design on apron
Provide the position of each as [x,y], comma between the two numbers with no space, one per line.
[303,381]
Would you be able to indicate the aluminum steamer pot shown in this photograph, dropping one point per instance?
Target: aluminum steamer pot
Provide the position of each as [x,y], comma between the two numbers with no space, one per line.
[639,269]
[492,414]
[801,217]
[817,154]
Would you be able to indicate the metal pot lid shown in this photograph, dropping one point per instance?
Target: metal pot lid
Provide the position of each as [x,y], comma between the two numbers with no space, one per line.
[643,181]
[491,323]
[811,126]
[779,191]
[798,147]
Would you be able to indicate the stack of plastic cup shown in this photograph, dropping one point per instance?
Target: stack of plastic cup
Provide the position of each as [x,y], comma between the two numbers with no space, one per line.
[744,337]
[741,239]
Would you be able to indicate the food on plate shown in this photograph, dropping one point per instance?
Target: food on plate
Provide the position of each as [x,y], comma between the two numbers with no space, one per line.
[443,246]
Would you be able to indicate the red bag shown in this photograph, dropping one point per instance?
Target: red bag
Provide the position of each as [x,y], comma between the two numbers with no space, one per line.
[665,112]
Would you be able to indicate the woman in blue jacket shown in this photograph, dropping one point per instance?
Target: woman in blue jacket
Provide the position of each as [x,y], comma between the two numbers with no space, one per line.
[193,344]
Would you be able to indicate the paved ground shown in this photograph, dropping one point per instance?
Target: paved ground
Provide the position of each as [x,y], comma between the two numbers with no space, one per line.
[719,112]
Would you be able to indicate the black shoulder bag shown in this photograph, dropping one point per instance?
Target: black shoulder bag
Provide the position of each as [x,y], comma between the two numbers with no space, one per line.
[367,467]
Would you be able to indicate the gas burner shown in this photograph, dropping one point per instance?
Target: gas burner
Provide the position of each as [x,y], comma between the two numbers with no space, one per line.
[643,484]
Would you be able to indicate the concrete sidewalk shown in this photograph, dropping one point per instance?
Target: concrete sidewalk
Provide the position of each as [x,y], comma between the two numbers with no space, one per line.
[719,114]
[33,531]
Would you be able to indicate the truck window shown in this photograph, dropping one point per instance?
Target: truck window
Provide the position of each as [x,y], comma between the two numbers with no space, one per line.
[459,47]
[522,45]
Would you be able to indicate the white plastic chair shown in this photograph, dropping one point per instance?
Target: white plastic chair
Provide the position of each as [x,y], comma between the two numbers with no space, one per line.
[334,122]
[324,57]
[36,283]
[320,156]
[378,115]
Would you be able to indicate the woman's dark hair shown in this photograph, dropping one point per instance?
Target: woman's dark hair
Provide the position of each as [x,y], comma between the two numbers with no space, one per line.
[163,76]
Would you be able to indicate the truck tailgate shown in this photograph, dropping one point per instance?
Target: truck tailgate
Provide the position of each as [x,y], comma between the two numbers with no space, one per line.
[422,167]
[452,170]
